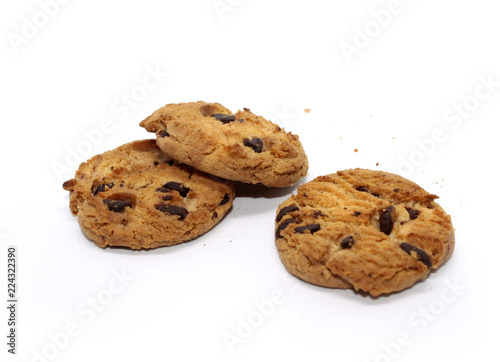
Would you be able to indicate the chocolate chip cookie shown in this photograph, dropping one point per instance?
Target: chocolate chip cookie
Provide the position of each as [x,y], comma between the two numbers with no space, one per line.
[136,196]
[241,147]
[368,230]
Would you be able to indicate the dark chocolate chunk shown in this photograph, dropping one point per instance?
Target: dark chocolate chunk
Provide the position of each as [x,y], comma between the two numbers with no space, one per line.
[164,133]
[318,213]
[225,199]
[167,197]
[256,144]
[241,120]
[385,222]
[418,253]
[215,215]
[117,205]
[102,187]
[224,118]
[357,213]
[413,213]
[285,211]
[347,242]
[396,190]
[365,189]
[173,210]
[283,226]
[312,228]
[182,190]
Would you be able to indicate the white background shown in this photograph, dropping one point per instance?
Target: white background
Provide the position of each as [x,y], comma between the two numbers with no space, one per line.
[67,70]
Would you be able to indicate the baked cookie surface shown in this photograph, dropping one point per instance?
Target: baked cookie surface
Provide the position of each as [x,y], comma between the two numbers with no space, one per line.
[240,147]
[138,197]
[367,230]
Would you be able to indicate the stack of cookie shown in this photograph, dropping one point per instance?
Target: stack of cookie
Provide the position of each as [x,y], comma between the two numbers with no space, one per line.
[163,192]
[366,230]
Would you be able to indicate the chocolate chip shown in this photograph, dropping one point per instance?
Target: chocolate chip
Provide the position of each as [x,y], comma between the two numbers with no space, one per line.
[285,211]
[241,120]
[224,118]
[357,213]
[256,144]
[173,210]
[164,133]
[312,228]
[117,205]
[418,253]
[225,199]
[413,213]
[385,221]
[167,197]
[396,190]
[102,188]
[175,186]
[215,215]
[318,213]
[347,242]
[283,226]
[365,189]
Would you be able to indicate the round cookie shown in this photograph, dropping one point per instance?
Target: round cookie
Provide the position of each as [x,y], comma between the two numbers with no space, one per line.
[136,196]
[368,230]
[241,147]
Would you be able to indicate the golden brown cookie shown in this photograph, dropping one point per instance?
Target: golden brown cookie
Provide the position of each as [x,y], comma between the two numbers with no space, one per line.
[240,147]
[136,196]
[368,230]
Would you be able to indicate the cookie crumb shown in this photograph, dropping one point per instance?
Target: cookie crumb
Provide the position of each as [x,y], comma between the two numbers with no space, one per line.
[307,110]
[355,150]
[377,164]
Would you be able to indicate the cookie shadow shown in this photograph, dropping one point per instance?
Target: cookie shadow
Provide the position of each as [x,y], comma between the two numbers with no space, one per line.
[252,200]
[252,191]
[363,297]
